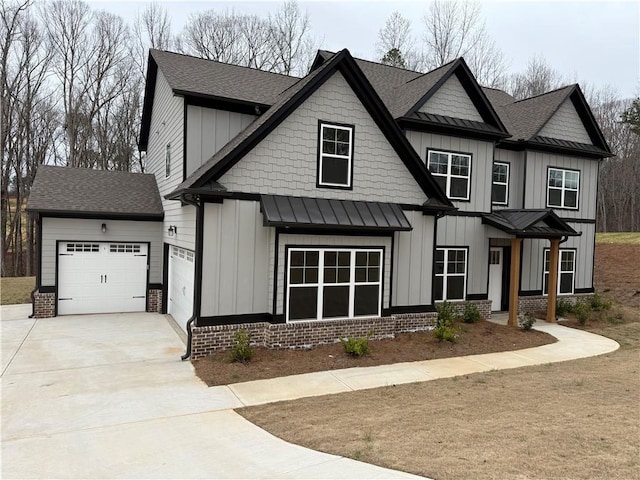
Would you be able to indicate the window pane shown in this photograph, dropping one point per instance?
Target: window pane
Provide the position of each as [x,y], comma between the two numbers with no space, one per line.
[455,288]
[328,133]
[303,303]
[343,135]
[459,187]
[439,255]
[335,302]
[344,258]
[329,275]
[328,147]
[459,165]
[361,259]
[439,267]
[311,275]
[566,282]
[296,275]
[438,288]
[499,173]
[366,300]
[555,178]
[361,274]
[546,260]
[546,284]
[297,259]
[442,181]
[342,148]
[374,274]
[374,259]
[554,197]
[335,170]
[571,179]
[311,258]
[330,258]
[570,199]
[499,193]
[343,275]
[438,163]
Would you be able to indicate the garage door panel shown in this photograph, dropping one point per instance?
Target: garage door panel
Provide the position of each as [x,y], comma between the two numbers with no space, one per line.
[181,281]
[101,278]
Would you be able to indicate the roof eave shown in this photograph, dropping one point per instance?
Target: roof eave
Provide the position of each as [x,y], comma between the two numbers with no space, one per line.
[43,212]
[426,125]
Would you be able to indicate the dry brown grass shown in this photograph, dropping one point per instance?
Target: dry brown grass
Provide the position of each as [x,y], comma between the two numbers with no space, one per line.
[577,420]
[15,290]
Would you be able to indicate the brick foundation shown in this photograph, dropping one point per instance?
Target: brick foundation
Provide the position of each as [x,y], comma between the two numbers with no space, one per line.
[295,335]
[484,307]
[44,305]
[539,302]
[154,301]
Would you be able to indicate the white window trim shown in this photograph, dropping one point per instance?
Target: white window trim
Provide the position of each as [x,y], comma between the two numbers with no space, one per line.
[563,188]
[320,283]
[506,184]
[449,175]
[545,271]
[348,158]
[167,160]
[446,275]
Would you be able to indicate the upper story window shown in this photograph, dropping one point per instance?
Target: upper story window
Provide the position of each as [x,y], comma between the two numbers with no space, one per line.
[335,155]
[562,188]
[452,171]
[500,184]
[167,160]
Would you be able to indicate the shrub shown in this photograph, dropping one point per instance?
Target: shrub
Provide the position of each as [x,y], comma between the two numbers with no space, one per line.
[242,351]
[563,307]
[446,333]
[444,323]
[356,347]
[471,313]
[526,321]
[582,311]
[598,303]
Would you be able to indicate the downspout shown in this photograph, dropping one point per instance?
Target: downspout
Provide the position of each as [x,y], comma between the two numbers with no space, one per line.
[197,291]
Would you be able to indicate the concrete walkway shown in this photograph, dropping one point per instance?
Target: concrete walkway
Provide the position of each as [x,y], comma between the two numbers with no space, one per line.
[105,396]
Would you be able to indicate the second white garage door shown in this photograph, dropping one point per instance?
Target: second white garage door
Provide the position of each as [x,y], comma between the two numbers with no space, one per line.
[102,277]
[181,277]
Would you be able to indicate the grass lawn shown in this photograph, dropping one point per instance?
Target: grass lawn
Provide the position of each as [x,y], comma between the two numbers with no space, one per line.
[15,290]
[619,237]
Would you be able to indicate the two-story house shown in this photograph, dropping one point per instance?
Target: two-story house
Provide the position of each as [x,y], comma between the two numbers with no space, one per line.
[348,201]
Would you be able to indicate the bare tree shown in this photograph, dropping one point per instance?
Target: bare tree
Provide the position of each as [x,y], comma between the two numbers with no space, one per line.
[538,78]
[396,46]
[293,46]
[151,29]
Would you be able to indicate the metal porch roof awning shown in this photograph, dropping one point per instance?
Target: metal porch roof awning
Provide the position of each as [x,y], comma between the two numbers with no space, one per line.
[321,213]
[530,223]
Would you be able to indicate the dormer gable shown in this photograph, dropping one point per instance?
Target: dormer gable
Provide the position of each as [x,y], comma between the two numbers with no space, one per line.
[452,100]
[566,124]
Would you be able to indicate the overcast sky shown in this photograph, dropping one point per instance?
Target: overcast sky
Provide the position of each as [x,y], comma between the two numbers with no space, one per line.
[590,42]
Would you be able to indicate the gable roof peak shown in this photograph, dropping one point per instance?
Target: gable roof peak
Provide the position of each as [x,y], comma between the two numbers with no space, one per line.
[555,90]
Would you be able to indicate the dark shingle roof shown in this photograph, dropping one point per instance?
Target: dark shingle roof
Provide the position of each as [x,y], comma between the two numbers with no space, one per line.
[86,191]
[193,75]
[529,223]
[304,212]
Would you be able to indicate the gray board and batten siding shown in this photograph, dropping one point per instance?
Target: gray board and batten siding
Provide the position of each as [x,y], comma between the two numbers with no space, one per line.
[167,129]
[481,164]
[208,130]
[516,163]
[286,160]
[90,230]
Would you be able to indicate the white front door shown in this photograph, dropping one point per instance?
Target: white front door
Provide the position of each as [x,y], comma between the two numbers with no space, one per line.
[181,278]
[98,277]
[496,262]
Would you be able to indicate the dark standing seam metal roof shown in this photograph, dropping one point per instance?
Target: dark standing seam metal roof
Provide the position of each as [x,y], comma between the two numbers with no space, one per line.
[84,191]
[320,213]
[530,223]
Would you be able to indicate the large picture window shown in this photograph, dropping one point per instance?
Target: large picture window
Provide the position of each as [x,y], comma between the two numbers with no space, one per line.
[566,272]
[452,171]
[563,187]
[500,184]
[326,283]
[451,274]
[335,156]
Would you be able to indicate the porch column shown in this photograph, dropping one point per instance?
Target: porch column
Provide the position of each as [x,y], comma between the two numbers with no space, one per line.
[514,286]
[553,280]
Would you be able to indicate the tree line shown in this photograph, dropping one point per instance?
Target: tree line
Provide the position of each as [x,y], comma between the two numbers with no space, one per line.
[72,80]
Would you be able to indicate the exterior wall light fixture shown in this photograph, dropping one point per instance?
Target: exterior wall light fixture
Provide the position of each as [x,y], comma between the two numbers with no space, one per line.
[104,228]
[173,230]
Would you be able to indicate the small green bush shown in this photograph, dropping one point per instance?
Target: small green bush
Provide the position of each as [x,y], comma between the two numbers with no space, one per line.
[598,303]
[242,351]
[446,314]
[446,333]
[356,347]
[582,311]
[471,314]
[563,307]
[526,321]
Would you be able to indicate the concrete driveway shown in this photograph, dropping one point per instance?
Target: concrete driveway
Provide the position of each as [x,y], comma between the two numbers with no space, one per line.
[106,396]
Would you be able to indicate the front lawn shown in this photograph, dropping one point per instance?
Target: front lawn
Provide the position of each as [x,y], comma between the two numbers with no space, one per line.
[15,290]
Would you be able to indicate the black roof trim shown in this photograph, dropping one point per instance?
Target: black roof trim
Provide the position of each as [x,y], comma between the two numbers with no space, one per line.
[139,217]
[525,223]
[222,103]
[322,213]
[149,92]
[430,122]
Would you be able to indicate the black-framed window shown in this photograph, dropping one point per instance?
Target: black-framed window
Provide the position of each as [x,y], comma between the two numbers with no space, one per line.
[566,272]
[333,282]
[335,156]
[167,160]
[450,274]
[563,188]
[452,171]
[500,184]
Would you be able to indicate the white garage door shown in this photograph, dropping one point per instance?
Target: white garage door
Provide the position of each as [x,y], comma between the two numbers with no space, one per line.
[181,276]
[102,277]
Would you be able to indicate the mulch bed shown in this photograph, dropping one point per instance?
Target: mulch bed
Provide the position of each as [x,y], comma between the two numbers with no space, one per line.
[481,337]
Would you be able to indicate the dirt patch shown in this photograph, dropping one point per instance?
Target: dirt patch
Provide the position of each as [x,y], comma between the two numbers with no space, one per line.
[481,337]
[15,290]
[617,272]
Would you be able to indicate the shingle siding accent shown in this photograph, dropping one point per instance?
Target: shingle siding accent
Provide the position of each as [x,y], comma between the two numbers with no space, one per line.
[566,125]
[452,100]
[285,162]
[167,127]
